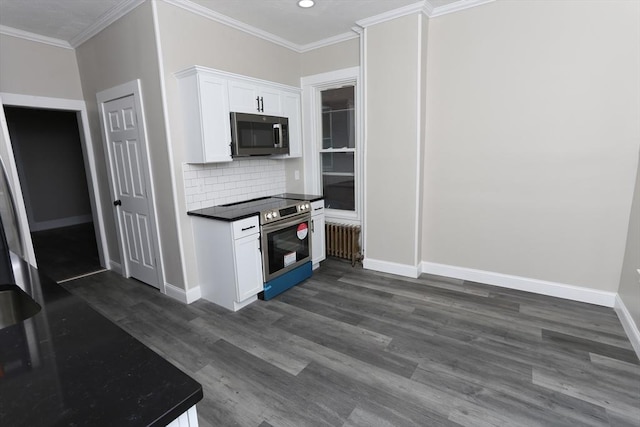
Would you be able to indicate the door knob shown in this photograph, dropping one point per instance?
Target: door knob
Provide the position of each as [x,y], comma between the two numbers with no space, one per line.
[117,203]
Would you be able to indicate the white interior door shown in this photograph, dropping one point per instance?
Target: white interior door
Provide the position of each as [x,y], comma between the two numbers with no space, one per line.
[127,158]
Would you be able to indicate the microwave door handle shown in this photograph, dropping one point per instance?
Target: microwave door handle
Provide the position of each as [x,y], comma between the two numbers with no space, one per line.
[277,131]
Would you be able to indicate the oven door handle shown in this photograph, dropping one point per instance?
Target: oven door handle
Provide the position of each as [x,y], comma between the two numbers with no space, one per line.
[284,224]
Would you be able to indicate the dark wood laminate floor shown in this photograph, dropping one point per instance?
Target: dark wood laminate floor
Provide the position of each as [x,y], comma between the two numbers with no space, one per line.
[351,347]
[67,252]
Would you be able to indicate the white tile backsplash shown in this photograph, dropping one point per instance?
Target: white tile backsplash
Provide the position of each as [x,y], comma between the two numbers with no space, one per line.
[221,183]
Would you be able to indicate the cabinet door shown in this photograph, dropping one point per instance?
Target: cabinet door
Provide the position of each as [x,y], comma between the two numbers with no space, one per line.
[270,101]
[317,238]
[248,266]
[243,97]
[291,110]
[216,126]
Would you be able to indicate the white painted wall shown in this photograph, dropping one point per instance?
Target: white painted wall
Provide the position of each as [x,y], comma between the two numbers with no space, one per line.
[337,56]
[629,290]
[533,129]
[31,68]
[125,51]
[392,81]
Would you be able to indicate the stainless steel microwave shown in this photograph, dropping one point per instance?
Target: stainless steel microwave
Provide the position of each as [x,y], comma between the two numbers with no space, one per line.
[258,135]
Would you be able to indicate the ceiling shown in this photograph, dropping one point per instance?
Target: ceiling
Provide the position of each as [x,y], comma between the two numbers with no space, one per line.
[68,20]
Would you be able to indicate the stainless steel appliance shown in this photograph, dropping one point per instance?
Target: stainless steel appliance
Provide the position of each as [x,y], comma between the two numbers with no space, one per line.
[258,135]
[285,240]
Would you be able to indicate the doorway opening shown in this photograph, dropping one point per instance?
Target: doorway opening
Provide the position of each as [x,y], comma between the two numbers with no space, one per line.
[47,147]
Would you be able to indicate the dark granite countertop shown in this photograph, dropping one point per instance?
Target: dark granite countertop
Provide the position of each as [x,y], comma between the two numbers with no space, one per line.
[241,210]
[226,213]
[300,196]
[69,365]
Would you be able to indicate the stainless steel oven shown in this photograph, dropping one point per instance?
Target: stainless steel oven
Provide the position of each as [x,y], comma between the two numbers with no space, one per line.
[286,243]
[285,240]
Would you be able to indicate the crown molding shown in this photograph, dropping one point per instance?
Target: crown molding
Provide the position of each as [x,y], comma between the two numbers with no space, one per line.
[127,6]
[106,19]
[433,12]
[354,34]
[223,19]
[424,7]
[26,35]
[392,14]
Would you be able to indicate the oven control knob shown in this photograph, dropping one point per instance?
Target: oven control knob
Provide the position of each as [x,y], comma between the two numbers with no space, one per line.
[275,214]
[268,215]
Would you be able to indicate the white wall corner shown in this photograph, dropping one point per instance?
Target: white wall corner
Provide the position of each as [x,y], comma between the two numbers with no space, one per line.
[115,267]
[628,324]
[552,289]
[405,270]
[104,20]
[187,297]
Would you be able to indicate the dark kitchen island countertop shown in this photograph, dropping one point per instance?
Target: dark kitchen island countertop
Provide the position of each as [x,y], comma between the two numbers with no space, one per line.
[69,365]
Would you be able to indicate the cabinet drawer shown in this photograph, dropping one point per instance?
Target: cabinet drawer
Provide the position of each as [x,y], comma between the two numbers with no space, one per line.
[245,227]
[317,207]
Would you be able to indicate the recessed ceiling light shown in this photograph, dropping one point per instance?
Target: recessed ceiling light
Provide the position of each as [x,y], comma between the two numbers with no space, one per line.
[306,3]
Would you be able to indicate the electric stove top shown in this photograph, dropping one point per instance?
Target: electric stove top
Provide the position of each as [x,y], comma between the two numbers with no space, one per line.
[269,209]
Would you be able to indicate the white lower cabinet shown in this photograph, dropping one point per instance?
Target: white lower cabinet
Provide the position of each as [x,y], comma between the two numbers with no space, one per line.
[187,419]
[248,266]
[229,261]
[318,248]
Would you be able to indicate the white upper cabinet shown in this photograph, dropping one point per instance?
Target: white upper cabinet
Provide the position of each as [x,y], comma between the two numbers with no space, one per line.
[247,97]
[291,109]
[270,101]
[209,96]
[207,126]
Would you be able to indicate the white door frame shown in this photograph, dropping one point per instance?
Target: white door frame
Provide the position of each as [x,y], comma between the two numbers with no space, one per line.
[126,89]
[80,108]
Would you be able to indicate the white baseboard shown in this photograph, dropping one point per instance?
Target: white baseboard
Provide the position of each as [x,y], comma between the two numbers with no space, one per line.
[181,295]
[628,324]
[391,267]
[115,267]
[553,289]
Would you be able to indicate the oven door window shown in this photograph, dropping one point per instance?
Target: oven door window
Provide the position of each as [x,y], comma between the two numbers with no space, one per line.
[287,248]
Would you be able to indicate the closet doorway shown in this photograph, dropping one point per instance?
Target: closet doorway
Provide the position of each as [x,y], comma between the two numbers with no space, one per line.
[47,147]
